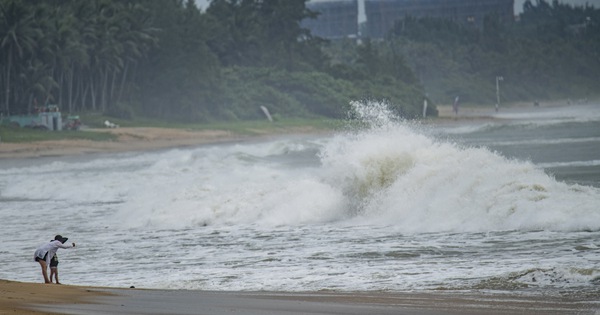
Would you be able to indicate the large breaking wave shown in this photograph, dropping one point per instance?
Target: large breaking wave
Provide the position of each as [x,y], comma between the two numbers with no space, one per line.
[385,172]
[393,174]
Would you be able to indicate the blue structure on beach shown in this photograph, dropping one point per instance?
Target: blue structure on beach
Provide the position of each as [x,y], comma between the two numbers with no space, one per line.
[49,117]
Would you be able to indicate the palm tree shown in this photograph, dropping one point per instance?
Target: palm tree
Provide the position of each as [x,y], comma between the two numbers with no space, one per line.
[18,36]
[138,38]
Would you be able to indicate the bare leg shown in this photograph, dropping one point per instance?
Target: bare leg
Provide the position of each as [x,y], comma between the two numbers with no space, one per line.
[44,270]
[54,274]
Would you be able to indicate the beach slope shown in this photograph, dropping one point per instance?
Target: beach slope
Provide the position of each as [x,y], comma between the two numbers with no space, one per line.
[34,298]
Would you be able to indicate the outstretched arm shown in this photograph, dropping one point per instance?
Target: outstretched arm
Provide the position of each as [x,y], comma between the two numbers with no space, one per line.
[65,246]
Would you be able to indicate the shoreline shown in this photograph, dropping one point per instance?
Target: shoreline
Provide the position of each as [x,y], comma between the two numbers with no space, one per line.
[131,139]
[139,139]
[39,298]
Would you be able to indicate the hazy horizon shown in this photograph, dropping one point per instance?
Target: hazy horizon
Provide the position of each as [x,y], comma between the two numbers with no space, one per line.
[518,8]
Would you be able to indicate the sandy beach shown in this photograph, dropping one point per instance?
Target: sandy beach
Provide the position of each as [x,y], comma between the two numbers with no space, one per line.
[38,298]
[128,139]
[152,138]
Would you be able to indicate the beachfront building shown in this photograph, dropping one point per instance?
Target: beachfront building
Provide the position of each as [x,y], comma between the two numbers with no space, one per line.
[337,19]
[381,15]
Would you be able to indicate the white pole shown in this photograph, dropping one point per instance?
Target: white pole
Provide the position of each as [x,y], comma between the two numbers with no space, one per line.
[424,108]
[498,78]
[266,112]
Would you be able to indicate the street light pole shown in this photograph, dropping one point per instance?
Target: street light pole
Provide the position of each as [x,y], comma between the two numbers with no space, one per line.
[498,79]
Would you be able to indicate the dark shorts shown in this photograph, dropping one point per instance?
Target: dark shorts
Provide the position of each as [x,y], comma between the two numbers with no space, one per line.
[38,258]
[54,261]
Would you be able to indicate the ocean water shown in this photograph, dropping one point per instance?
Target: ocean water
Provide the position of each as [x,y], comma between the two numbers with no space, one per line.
[511,204]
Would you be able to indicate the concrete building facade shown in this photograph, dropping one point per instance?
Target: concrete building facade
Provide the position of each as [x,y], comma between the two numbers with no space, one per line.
[381,15]
[337,19]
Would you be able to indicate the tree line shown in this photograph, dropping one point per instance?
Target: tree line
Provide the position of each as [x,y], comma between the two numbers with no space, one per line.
[552,51]
[83,55]
[170,60]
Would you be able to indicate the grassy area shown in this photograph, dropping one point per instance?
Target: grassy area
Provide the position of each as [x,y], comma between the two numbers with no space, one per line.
[91,120]
[238,127]
[15,134]
[97,121]
[264,126]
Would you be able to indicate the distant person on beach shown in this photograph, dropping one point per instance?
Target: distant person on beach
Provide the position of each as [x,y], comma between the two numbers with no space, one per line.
[455,106]
[44,254]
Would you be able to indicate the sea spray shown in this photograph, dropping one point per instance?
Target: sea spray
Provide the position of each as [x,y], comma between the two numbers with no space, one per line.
[347,212]
[386,172]
[392,174]
[234,184]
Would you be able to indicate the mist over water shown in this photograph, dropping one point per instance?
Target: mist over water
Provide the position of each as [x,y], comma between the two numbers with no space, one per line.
[420,184]
[387,173]
[388,205]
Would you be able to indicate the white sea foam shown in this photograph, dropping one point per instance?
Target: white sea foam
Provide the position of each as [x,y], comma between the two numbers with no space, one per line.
[385,207]
[529,118]
[397,176]
[387,173]
[552,115]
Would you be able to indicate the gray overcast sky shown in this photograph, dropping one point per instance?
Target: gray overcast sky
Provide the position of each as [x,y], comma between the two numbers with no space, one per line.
[518,4]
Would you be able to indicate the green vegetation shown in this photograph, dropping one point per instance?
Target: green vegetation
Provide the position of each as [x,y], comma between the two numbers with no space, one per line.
[9,133]
[262,127]
[245,127]
[165,59]
[142,61]
[17,134]
[551,52]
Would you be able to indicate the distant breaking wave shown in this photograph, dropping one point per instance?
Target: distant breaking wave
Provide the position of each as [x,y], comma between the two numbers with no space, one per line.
[538,118]
[545,141]
[387,172]
[569,164]
[391,174]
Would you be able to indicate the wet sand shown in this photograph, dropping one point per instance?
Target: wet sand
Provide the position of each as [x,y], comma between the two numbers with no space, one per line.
[38,298]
